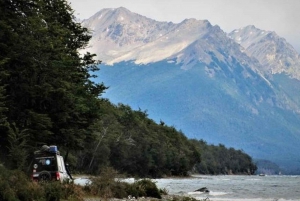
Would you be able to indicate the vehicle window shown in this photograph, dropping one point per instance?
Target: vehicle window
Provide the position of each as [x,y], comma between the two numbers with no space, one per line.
[46,163]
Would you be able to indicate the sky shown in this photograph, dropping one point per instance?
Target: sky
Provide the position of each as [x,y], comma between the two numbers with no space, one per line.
[281,16]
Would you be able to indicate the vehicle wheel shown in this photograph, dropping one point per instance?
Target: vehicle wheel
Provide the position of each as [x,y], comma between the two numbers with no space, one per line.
[44,176]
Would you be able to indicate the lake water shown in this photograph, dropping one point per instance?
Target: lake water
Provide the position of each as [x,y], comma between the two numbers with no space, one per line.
[236,188]
[230,188]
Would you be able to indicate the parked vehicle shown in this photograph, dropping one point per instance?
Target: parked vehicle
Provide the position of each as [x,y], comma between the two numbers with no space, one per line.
[49,165]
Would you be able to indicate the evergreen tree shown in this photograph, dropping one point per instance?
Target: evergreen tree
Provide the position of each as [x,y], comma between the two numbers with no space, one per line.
[47,97]
[47,82]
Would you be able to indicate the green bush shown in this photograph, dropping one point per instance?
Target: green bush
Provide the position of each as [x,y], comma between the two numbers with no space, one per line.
[53,191]
[106,186]
[144,188]
[16,186]
[147,188]
[72,192]
[117,189]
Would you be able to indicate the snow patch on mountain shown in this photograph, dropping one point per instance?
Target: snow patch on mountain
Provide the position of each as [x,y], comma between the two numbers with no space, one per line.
[222,73]
[121,35]
[116,32]
[274,53]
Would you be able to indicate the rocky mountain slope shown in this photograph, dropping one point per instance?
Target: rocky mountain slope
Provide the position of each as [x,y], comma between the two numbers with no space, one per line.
[211,85]
[280,62]
[117,32]
[273,52]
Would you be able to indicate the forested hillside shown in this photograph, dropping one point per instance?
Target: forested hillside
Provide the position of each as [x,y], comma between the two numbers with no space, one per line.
[47,97]
[132,143]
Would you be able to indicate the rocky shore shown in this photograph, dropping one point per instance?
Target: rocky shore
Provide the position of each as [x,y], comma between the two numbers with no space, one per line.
[164,198]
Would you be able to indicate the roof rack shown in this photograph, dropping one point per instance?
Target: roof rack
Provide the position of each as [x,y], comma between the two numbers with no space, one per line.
[47,149]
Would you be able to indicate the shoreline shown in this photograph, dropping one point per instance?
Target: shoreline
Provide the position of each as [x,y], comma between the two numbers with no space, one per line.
[164,198]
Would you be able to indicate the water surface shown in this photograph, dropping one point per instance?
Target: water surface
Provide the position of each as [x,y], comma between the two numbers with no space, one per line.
[236,188]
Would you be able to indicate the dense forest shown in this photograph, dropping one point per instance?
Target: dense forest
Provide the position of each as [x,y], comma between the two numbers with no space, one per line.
[47,96]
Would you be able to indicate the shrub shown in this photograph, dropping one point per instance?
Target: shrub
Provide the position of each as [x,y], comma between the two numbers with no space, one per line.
[16,186]
[163,191]
[103,184]
[144,188]
[148,188]
[53,191]
[106,186]
[72,192]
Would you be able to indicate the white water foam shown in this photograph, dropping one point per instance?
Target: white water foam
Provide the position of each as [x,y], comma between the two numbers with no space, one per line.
[239,199]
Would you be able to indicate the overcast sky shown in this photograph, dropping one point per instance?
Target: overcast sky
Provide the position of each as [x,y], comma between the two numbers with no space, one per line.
[281,16]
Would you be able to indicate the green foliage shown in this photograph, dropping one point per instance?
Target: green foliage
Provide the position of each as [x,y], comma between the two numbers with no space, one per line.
[17,147]
[47,96]
[16,186]
[107,186]
[45,86]
[147,189]
[221,160]
[183,198]
[135,145]
[53,191]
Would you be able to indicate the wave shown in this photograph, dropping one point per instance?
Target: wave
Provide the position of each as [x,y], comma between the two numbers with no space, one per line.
[242,199]
[211,193]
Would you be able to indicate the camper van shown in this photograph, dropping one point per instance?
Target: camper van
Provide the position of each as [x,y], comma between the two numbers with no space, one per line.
[48,165]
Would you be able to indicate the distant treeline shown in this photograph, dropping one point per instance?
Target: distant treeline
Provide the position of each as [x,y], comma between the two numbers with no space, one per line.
[267,167]
[47,97]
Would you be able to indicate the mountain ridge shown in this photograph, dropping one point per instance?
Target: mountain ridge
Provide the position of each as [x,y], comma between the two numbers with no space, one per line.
[272,51]
[125,20]
[197,77]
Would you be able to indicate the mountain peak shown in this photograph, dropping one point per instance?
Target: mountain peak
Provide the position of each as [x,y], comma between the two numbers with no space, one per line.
[121,35]
[117,32]
[274,53]
[123,9]
[118,14]
[247,35]
[123,12]
[201,80]
[251,27]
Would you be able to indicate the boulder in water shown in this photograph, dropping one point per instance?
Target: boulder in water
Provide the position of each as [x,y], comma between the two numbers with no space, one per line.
[204,190]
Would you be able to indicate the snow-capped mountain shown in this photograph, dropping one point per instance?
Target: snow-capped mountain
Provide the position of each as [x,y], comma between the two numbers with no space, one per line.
[273,52]
[211,85]
[120,35]
[119,31]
